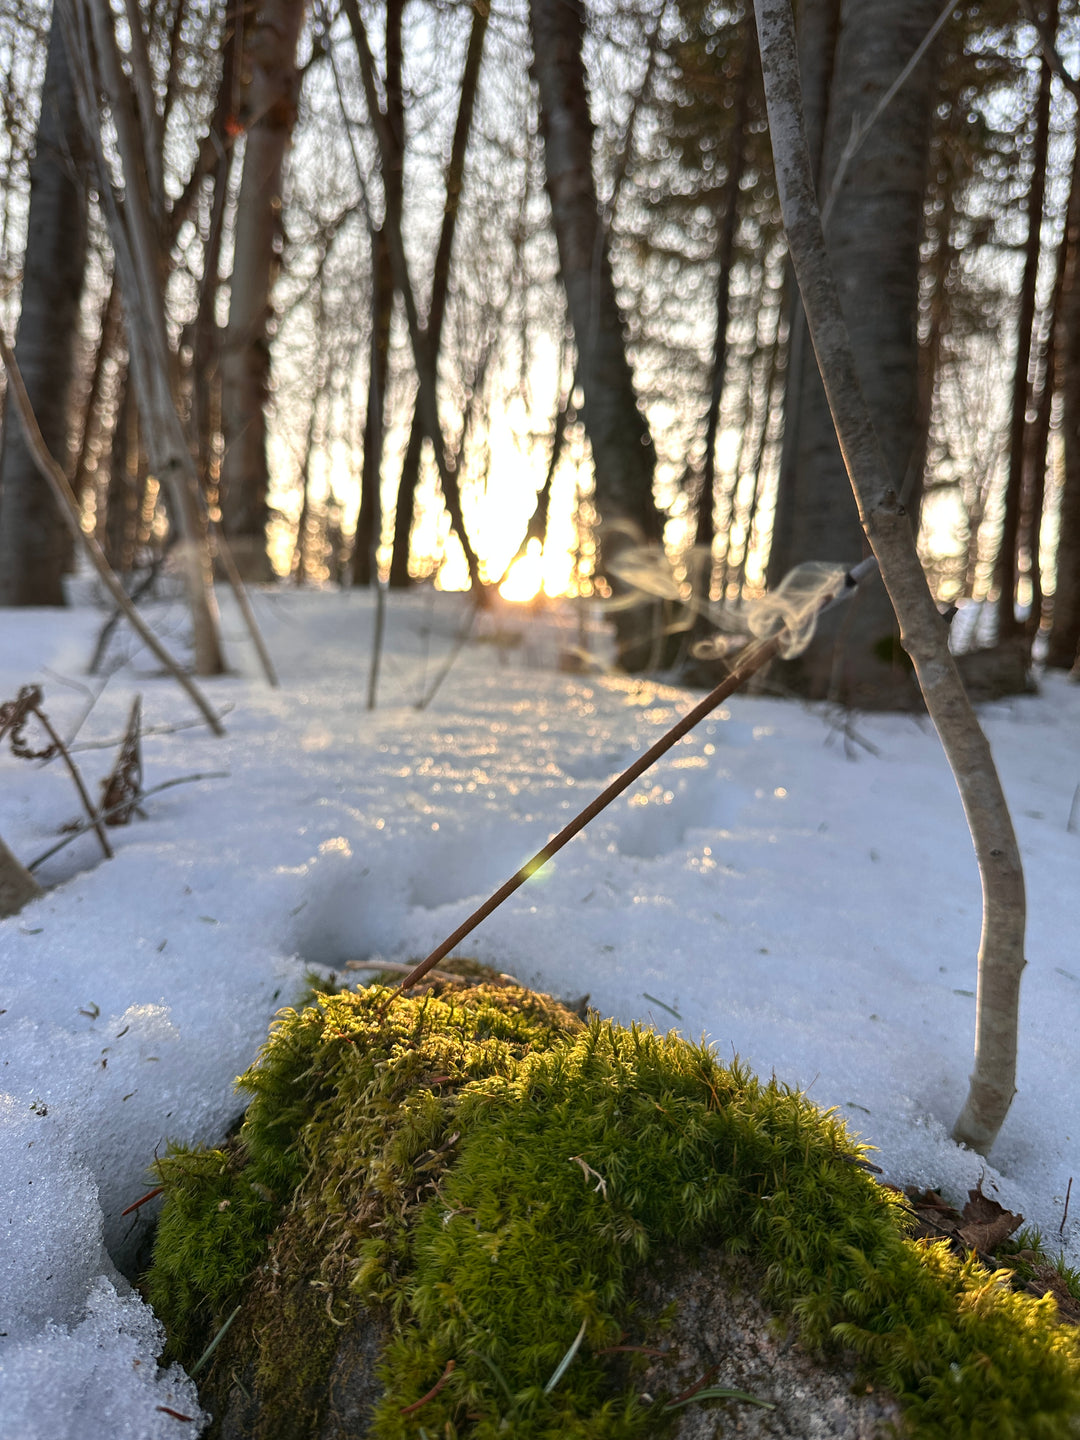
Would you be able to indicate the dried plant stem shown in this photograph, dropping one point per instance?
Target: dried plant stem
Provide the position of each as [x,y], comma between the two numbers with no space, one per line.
[69,509]
[443,977]
[97,816]
[751,660]
[112,742]
[924,637]
[94,821]
[243,601]
[747,663]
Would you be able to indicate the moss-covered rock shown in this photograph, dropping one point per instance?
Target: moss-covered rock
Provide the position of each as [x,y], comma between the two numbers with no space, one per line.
[470,1183]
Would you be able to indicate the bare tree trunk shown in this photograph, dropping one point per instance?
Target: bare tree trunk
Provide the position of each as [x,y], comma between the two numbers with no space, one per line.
[624,458]
[92,426]
[421,339]
[440,282]
[1064,643]
[267,108]
[924,636]
[818,32]
[725,257]
[204,378]
[1009,627]
[406,503]
[874,234]
[119,535]
[64,495]
[623,455]
[34,546]
[369,521]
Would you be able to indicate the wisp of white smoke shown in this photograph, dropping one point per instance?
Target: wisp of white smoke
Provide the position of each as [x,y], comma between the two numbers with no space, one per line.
[790,611]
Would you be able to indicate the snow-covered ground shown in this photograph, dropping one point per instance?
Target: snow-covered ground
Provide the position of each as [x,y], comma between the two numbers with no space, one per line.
[801,899]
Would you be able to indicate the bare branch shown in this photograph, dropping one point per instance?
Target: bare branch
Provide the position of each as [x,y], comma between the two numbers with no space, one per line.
[748,662]
[151,126]
[78,830]
[862,127]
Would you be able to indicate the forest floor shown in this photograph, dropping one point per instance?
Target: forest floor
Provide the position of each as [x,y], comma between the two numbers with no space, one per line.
[795,885]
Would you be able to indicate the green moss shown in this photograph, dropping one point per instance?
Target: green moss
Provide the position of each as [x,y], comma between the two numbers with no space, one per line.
[490,1172]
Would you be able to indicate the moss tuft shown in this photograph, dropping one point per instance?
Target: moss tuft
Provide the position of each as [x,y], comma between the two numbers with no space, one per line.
[488,1173]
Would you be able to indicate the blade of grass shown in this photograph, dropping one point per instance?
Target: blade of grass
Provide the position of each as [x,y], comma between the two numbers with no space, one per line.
[214,1343]
[718,1392]
[566,1361]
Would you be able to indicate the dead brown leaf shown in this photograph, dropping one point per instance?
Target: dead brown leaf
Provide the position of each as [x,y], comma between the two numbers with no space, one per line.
[121,791]
[986,1223]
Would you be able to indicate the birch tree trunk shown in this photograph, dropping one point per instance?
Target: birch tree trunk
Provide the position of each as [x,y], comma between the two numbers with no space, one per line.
[267,108]
[34,545]
[923,633]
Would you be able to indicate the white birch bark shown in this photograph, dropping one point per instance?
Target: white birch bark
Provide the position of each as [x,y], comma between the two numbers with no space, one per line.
[268,107]
[923,634]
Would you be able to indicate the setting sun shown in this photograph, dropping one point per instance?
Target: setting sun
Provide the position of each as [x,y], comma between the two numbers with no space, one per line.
[526,575]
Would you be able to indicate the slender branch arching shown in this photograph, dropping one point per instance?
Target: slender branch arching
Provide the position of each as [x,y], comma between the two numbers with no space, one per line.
[923,634]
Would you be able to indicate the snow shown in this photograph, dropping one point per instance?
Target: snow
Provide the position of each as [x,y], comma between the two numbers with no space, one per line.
[802,894]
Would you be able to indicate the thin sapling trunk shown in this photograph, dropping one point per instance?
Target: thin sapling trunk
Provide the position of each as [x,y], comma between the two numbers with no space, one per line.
[923,634]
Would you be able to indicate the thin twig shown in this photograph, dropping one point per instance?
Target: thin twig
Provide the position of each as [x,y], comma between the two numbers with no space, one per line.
[1065,1216]
[145,583]
[860,129]
[748,663]
[698,1385]
[94,697]
[631,1350]
[142,1200]
[443,1378]
[455,650]
[395,967]
[94,822]
[114,809]
[150,730]
[243,600]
